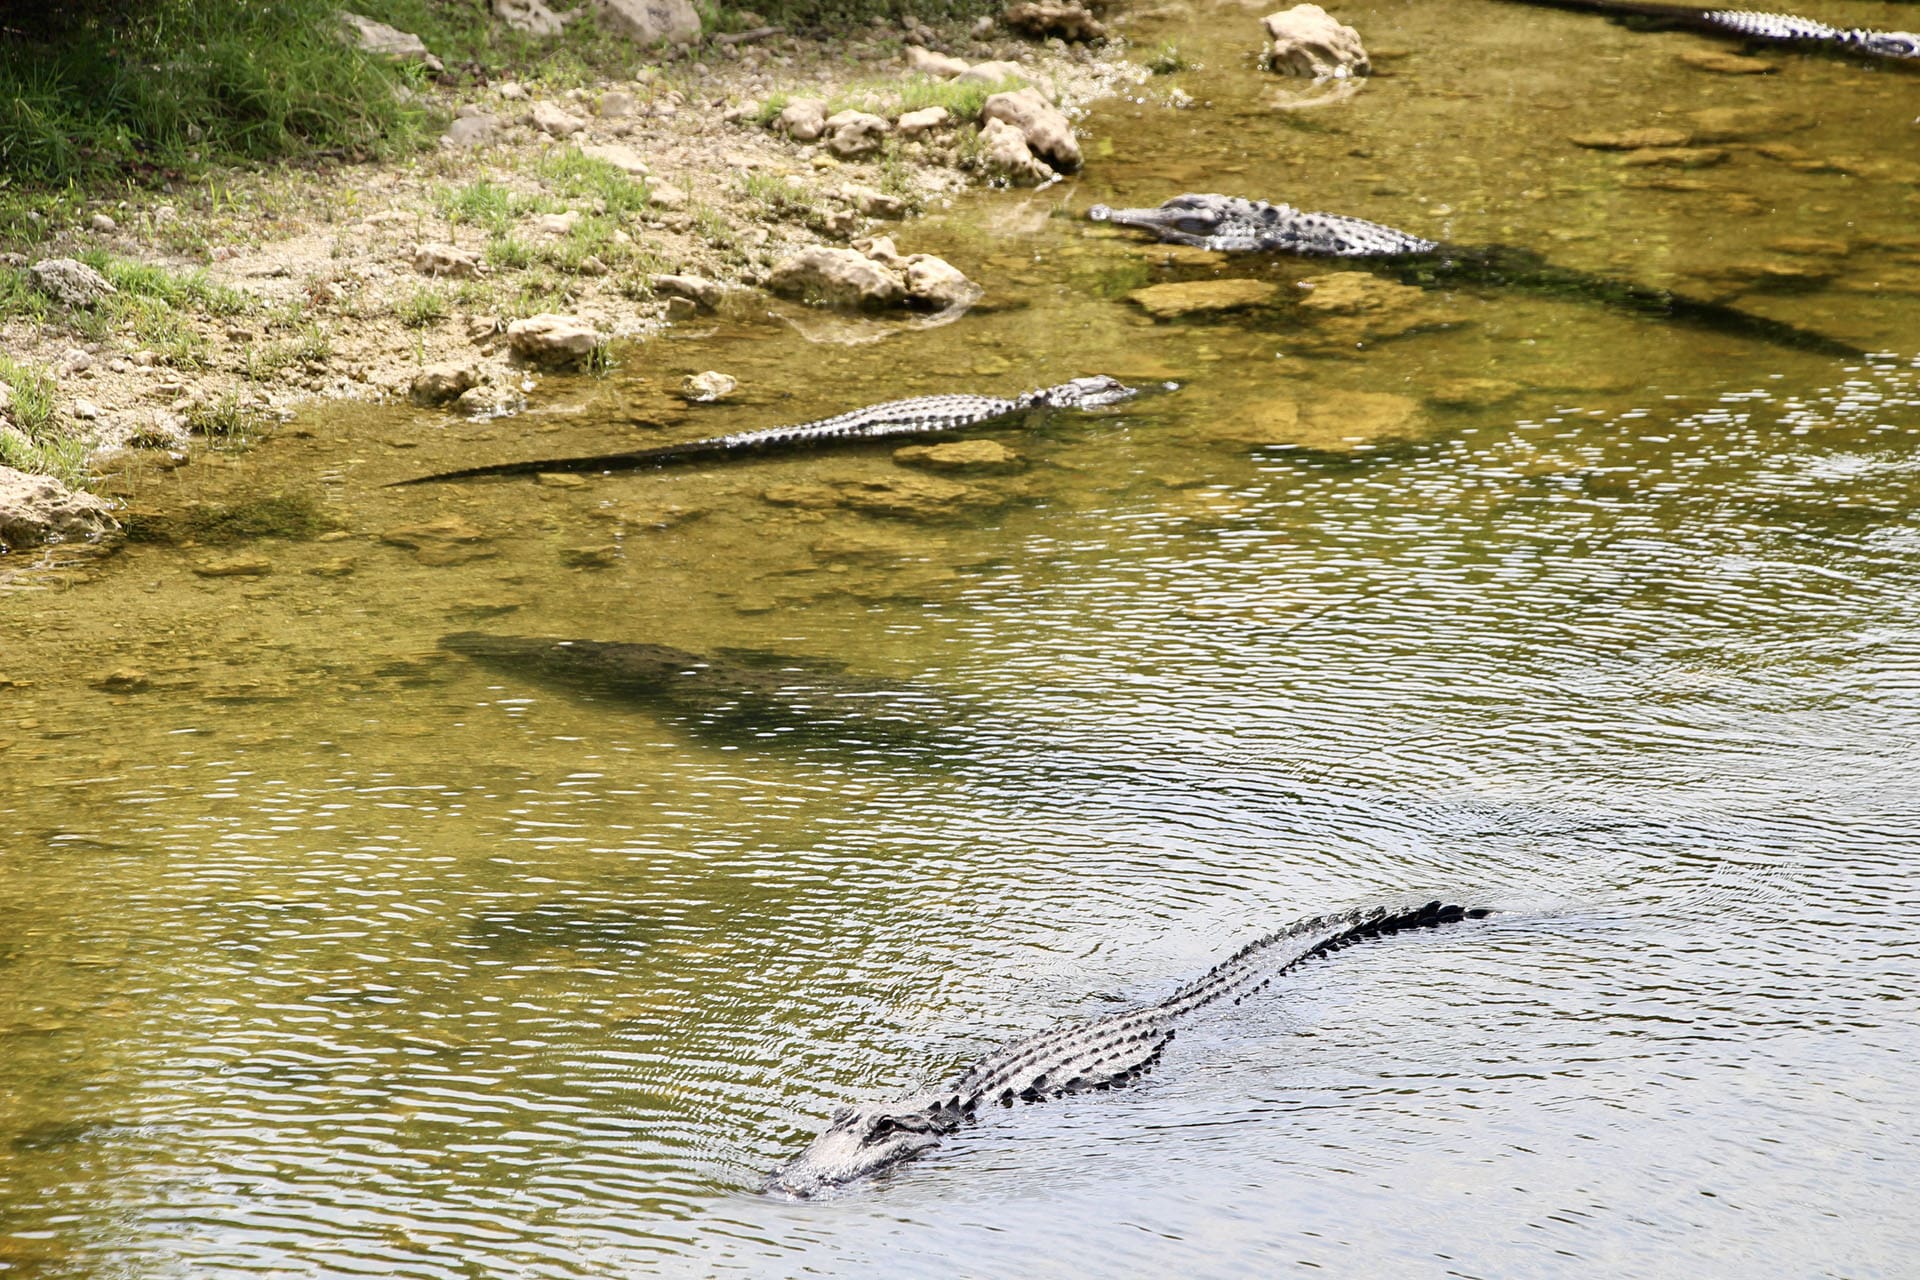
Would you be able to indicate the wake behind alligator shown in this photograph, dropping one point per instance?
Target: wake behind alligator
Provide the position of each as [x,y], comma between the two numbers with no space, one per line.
[919,415]
[1230,224]
[1104,1054]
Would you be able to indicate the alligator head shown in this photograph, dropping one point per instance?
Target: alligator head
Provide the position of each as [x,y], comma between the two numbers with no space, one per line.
[1230,224]
[861,1141]
[1187,219]
[1080,393]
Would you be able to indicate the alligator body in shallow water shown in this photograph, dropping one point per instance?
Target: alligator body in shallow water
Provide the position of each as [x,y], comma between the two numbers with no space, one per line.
[1103,1054]
[1230,224]
[736,695]
[1754,27]
[921,415]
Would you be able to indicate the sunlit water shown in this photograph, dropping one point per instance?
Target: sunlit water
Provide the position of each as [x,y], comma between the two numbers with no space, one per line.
[326,952]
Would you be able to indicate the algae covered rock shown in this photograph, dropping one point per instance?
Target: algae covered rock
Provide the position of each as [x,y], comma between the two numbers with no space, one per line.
[1306,40]
[1201,297]
[36,509]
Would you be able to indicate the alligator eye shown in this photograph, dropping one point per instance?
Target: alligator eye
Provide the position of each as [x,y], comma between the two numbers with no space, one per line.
[883,1126]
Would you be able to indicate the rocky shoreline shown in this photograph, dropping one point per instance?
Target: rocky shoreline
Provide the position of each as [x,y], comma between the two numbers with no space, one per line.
[547,224]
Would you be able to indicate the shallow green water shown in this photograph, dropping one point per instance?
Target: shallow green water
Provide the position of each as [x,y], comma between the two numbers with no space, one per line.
[325,952]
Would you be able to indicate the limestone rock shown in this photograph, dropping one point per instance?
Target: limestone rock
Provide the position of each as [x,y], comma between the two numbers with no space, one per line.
[1740,124]
[445,260]
[235,566]
[1338,422]
[938,65]
[1067,19]
[469,131]
[448,540]
[935,282]
[553,339]
[1048,134]
[70,281]
[802,119]
[705,388]
[36,509]
[707,293]
[979,457]
[555,224]
[1307,41]
[1006,151]
[388,42]
[554,120]
[874,204]
[915,497]
[912,124]
[1674,158]
[616,104]
[1352,308]
[992,73]
[1632,139]
[854,133]
[1197,297]
[1472,393]
[839,277]
[1723,63]
[653,21]
[443,383]
[618,154]
[530,16]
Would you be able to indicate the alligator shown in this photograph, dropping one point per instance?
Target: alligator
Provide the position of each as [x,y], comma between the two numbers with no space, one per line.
[1107,1053]
[1234,225]
[1754,28]
[731,695]
[920,415]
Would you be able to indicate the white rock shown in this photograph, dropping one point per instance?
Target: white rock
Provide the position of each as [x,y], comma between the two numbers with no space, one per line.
[938,283]
[469,131]
[532,17]
[929,63]
[105,225]
[1047,131]
[666,197]
[992,73]
[925,120]
[705,388]
[445,260]
[85,410]
[555,121]
[839,277]
[855,133]
[388,42]
[1007,151]
[1308,41]
[615,103]
[553,339]
[36,509]
[555,224]
[707,293]
[70,281]
[803,119]
[653,21]
[875,204]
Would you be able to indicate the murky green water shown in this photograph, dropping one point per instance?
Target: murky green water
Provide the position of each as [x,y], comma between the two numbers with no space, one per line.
[325,952]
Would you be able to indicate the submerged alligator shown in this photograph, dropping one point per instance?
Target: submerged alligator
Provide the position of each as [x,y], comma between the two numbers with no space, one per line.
[1103,1054]
[921,415]
[1234,225]
[733,695]
[1755,28]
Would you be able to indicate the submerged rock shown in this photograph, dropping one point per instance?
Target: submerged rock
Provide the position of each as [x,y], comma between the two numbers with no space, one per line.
[1632,139]
[706,388]
[1740,124]
[1306,40]
[1351,308]
[1337,422]
[1200,297]
[977,457]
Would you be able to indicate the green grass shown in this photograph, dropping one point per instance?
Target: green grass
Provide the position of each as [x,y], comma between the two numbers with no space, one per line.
[39,441]
[422,308]
[573,175]
[1166,58]
[777,196]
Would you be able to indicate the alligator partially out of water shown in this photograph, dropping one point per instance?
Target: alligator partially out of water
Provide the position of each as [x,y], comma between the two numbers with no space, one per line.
[921,415]
[1234,225]
[1755,28]
[734,695]
[1104,1054]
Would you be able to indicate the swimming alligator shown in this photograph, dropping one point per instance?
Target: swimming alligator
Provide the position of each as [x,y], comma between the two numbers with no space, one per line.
[1752,27]
[1104,1054]
[733,695]
[1234,225]
[920,415]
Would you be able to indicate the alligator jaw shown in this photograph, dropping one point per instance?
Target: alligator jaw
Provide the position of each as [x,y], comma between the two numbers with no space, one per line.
[862,1141]
[1172,221]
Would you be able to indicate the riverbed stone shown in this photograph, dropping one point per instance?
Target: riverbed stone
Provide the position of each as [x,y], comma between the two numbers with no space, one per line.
[36,509]
[975,457]
[1048,133]
[1742,124]
[618,154]
[70,281]
[1472,392]
[907,496]
[1306,40]
[1041,19]
[708,387]
[992,73]
[1632,139]
[533,17]
[554,120]
[1720,62]
[1202,297]
[1336,421]
[837,277]
[705,293]
[243,565]
[1352,308]
[1674,158]
[802,119]
[855,133]
[445,541]
[940,66]
[469,131]
[1006,151]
